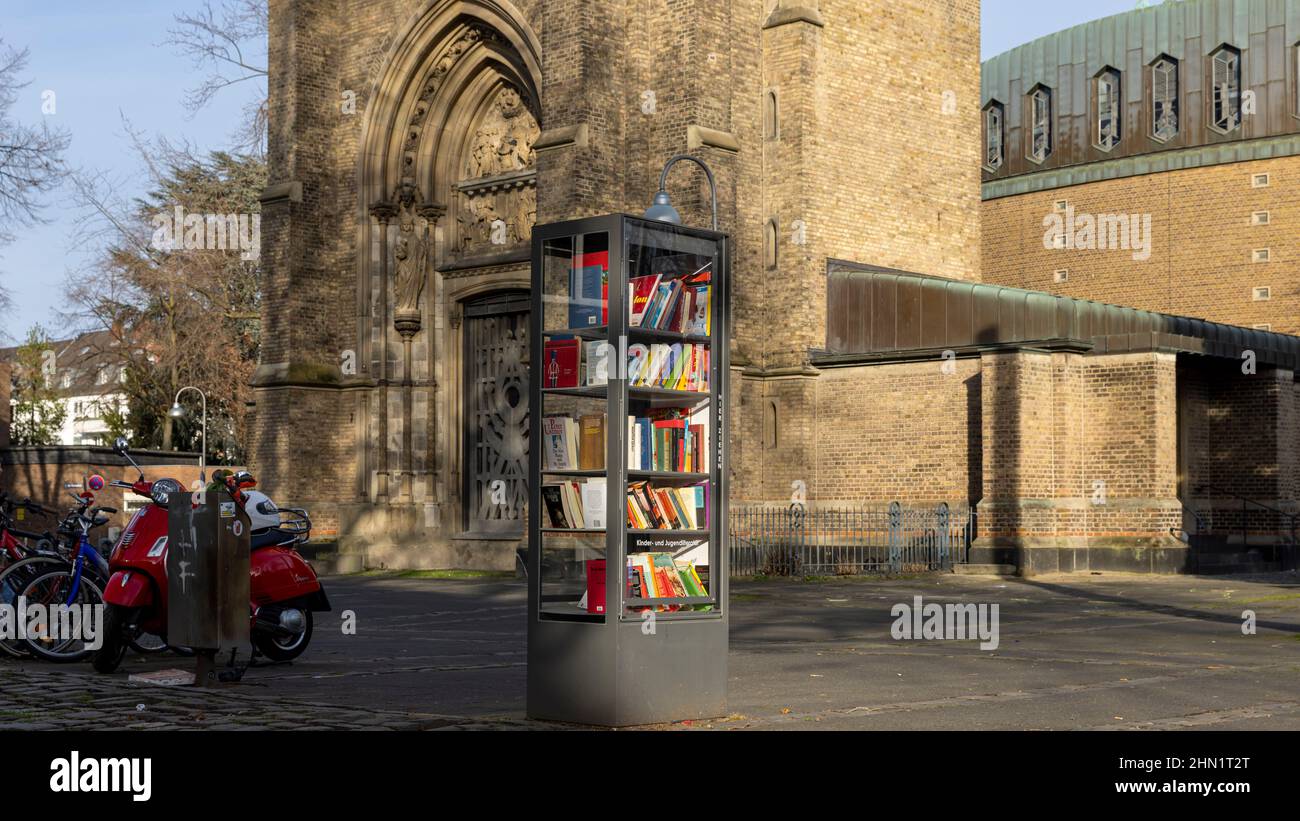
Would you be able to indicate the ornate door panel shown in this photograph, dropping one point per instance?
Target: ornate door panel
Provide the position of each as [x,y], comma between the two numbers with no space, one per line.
[496,414]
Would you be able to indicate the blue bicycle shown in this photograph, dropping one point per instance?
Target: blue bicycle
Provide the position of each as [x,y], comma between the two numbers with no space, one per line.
[76,582]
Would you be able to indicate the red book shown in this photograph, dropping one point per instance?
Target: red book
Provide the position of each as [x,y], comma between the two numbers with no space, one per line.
[642,289]
[595,585]
[563,358]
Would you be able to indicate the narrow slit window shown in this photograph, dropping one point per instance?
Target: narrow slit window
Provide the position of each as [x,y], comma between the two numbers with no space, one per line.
[770,258]
[1108,109]
[1164,99]
[1040,123]
[1225,89]
[994,134]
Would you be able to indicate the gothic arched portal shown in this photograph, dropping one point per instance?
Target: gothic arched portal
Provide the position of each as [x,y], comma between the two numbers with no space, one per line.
[448,185]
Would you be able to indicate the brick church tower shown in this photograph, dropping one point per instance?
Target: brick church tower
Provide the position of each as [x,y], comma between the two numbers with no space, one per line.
[414,144]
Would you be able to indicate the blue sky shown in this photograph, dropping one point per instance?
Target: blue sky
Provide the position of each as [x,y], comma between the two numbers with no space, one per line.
[104,60]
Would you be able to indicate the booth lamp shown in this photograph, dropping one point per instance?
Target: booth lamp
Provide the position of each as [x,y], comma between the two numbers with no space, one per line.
[662,209]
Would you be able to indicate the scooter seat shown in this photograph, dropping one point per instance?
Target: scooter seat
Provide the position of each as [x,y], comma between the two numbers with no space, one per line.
[270,538]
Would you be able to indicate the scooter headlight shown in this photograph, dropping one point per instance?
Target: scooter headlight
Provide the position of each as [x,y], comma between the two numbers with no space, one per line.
[162,488]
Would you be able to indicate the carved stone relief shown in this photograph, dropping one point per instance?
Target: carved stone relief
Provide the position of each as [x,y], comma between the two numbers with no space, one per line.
[497,197]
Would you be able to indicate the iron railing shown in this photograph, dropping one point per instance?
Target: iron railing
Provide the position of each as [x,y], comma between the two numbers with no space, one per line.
[830,540]
[1275,531]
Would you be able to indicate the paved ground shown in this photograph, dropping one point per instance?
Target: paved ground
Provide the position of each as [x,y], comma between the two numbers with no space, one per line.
[1110,651]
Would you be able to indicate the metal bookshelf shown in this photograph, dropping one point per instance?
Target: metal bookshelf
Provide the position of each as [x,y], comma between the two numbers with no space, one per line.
[638,661]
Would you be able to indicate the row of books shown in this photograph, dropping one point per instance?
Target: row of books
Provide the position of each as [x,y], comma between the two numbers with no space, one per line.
[659,576]
[671,440]
[571,363]
[580,505]
[667,508]
[574,444]
[679,366]
[680,305]
[575,504]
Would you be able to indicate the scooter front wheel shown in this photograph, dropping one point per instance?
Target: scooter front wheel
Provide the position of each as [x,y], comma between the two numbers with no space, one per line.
[110,652]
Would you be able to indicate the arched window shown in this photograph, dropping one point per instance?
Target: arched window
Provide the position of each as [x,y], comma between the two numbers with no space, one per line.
[1225,89]
[994,135]
[1164,98]
[772,439]
[1106,93]
[1038,107]
[770,239]
[771,116]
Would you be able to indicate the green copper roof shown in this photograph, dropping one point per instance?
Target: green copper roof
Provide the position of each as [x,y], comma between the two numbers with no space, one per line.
[875,313]
[1266,32]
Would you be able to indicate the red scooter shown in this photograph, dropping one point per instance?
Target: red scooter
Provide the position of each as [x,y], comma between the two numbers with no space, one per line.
[282,585]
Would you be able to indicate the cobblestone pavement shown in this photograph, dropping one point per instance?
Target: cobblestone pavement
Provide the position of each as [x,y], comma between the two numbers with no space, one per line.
[1078,651]
[57,700]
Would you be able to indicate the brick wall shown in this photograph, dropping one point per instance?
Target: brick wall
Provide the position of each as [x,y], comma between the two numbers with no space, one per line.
[46,475]
[866,178]
[906,431]
[1241,442]
[1079,449]
[1201,249]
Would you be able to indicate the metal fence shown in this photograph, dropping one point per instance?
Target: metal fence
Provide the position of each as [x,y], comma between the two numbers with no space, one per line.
[801,540]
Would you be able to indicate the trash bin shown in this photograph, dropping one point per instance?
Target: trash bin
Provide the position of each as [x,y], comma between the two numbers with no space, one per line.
[207,571]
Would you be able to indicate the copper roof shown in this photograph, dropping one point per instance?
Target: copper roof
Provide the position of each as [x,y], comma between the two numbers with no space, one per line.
[875,313]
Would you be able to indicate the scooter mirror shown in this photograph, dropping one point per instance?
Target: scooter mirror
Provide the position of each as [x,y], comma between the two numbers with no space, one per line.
[120,446]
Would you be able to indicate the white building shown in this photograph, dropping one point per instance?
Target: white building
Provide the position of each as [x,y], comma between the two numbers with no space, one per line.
[88,373]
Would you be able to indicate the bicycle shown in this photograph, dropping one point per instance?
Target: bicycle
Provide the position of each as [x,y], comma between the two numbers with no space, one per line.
[78,582]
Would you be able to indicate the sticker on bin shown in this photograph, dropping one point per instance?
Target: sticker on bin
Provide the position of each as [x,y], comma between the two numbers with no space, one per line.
[227,510]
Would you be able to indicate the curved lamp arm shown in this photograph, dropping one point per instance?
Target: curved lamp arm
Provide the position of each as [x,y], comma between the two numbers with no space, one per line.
[708,172]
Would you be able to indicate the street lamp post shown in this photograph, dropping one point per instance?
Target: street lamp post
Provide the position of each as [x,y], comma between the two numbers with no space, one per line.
[663,209]
[177,412]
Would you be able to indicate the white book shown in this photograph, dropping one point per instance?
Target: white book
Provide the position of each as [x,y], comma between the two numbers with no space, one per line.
[556,448]
[597,359]
[593,502]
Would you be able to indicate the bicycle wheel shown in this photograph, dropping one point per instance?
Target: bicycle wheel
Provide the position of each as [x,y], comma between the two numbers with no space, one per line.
[13,580]
[58,639]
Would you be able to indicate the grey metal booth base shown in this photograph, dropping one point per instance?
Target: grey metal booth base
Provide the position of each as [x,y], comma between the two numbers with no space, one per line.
[584,673]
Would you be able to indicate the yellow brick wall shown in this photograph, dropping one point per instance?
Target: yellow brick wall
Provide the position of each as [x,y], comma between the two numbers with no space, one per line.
[1201,251]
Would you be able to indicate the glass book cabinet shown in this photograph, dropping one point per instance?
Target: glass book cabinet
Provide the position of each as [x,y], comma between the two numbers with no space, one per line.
[627,513]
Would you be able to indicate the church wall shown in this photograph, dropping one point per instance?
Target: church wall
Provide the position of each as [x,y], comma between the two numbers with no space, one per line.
[907,432]
[877,155]
[706,66]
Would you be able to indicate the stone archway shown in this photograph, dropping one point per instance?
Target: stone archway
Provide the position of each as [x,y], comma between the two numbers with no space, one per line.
[447,184]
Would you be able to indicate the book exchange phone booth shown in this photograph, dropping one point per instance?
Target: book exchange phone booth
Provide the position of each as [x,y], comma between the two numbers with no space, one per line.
[627,513]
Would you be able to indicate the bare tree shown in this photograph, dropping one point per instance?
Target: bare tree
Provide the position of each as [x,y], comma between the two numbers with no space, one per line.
[31,157]
[176,314]
[230,44]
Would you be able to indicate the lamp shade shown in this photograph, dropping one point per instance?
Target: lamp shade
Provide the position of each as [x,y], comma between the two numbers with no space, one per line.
[662,209]
[177,411]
